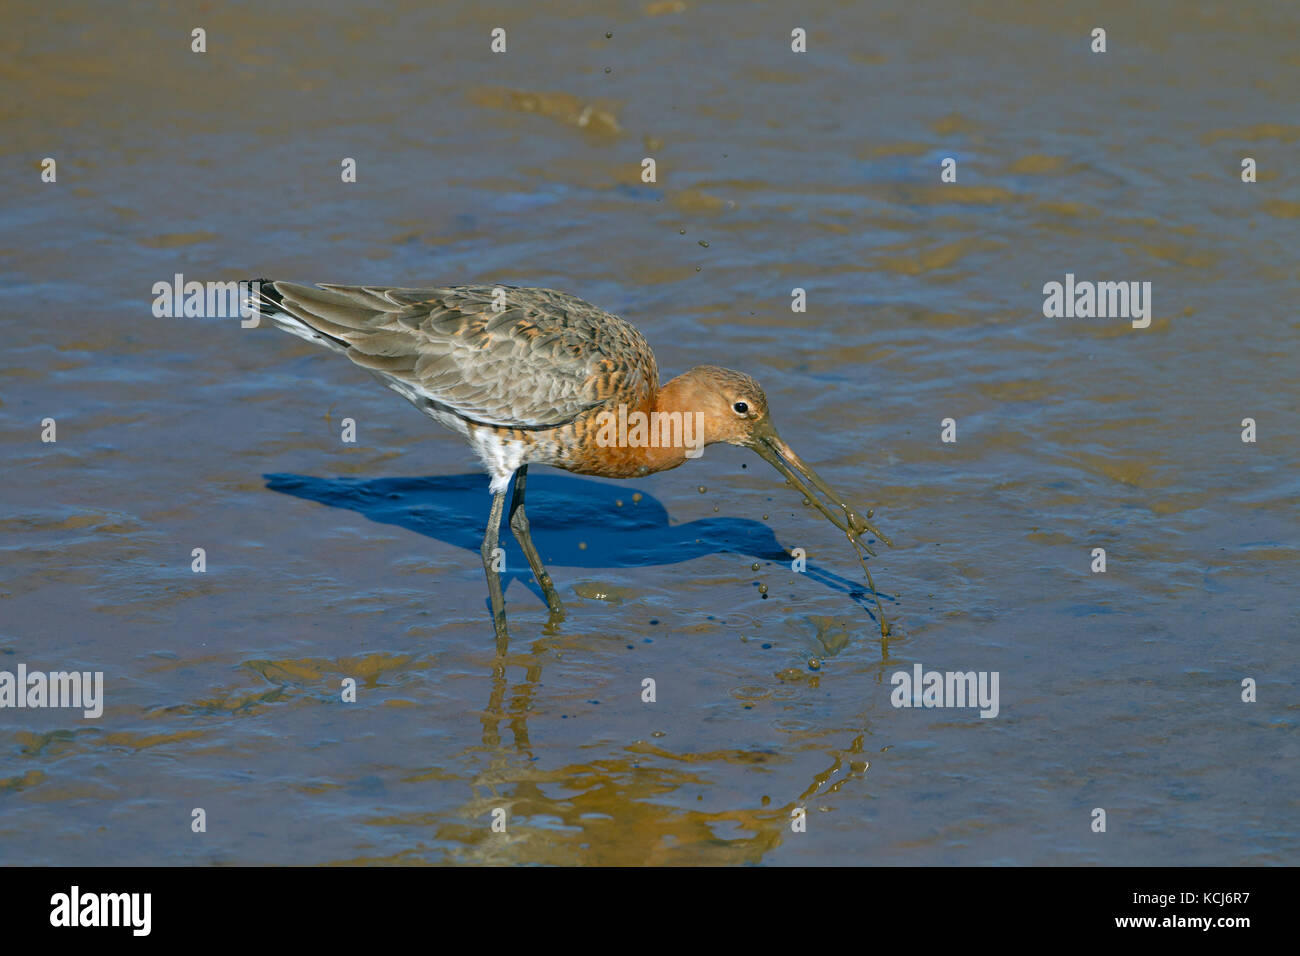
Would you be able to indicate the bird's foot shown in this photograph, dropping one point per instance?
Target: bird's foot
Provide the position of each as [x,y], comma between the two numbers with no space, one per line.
[552,596]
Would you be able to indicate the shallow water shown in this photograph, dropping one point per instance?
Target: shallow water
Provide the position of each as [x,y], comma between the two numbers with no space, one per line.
[327,561]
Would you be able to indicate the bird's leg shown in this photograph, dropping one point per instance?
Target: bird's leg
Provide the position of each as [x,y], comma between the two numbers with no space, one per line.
[880,611]
[519,525]
[494,576]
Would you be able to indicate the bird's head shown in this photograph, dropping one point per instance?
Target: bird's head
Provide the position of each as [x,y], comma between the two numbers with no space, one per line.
[735,411]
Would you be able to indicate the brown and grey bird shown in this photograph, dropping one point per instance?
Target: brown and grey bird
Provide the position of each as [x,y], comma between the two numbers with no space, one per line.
[534,376]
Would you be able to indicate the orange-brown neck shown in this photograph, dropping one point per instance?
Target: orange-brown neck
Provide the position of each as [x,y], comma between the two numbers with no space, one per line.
[663,432]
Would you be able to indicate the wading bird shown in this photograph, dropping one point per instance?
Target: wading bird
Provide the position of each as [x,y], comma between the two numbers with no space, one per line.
[534,376]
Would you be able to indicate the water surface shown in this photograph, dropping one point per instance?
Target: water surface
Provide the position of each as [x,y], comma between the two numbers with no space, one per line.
[820,171]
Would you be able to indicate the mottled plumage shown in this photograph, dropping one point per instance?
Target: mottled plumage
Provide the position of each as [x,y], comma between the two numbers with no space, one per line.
[526,375]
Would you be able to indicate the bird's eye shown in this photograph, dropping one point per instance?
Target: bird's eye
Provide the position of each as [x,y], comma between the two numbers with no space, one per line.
[741,408]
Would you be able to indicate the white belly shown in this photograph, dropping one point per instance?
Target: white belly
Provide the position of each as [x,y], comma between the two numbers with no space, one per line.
[500,456]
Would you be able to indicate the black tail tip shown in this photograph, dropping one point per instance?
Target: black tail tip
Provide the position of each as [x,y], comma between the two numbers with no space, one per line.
[263,295]
[266,288]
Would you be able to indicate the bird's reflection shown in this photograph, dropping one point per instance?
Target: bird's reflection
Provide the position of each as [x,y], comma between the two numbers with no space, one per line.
[613,810]
[624,808]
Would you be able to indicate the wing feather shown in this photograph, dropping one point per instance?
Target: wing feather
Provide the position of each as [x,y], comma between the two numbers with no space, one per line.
[547,358]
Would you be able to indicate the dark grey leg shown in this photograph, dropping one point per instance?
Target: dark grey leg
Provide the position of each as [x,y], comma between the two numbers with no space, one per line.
[494,577]
[519,525]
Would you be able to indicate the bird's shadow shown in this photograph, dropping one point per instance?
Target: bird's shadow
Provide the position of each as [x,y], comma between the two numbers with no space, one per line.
[575,522]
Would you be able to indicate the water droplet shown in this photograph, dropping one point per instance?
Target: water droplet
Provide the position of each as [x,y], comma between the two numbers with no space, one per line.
[754,566]
[704,244]
[618,502]
[681,232]
[764,517]
[814,664]
[715,508]
[582,546]
[608,70]
[636,497]
[703,489]
[806,502]
[609,36]
[762,589]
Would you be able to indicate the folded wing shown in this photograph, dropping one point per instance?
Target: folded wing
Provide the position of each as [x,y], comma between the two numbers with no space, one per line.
[540,362]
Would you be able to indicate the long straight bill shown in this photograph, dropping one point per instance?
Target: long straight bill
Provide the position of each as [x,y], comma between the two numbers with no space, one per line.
[782,457]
